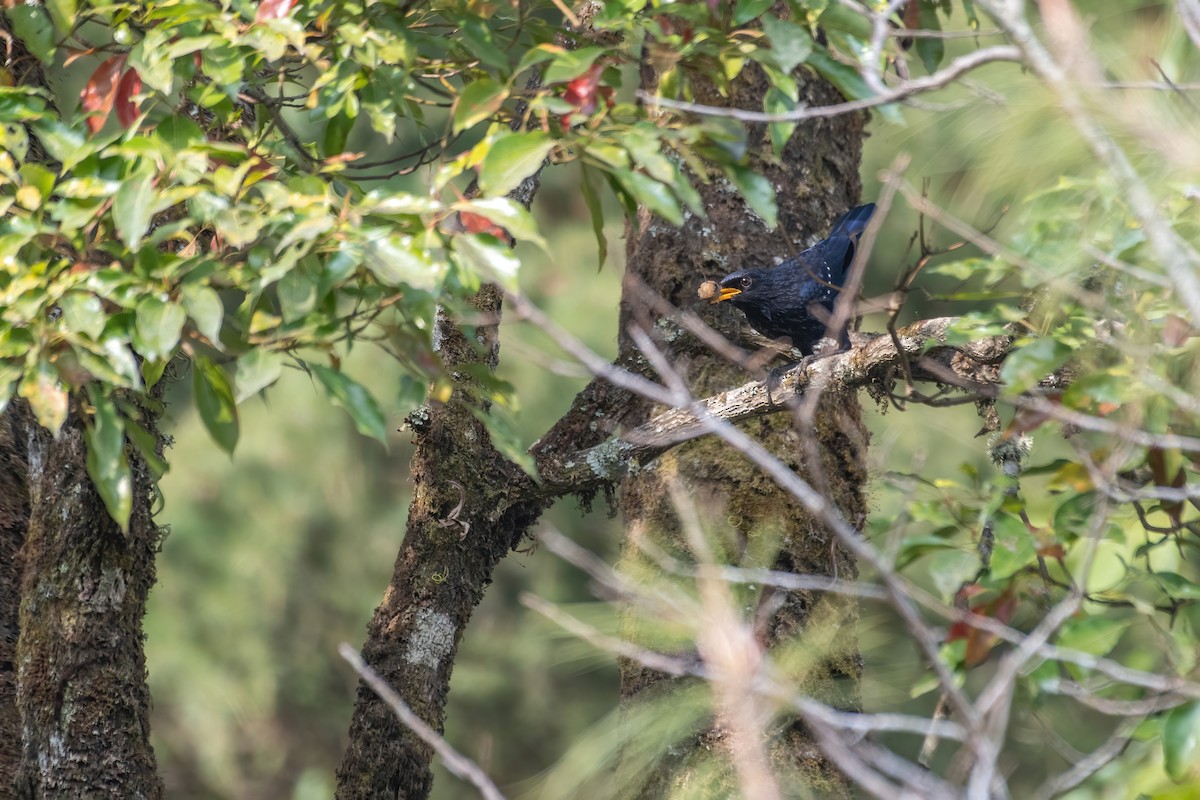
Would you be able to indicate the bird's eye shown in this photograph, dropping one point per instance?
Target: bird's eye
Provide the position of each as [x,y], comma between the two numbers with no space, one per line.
[746,282]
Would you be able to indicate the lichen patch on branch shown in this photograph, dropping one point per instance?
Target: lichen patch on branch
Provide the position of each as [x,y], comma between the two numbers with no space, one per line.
[432,639]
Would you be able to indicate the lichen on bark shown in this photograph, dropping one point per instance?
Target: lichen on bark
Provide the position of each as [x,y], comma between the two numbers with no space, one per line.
[81,697]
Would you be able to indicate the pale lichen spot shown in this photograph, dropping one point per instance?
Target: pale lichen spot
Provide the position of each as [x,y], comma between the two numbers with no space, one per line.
[36,459]
[432,638]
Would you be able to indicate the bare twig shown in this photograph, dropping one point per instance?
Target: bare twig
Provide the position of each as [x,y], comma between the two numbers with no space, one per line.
[1178,258]
[455,762]
[944,77]
[1059,784]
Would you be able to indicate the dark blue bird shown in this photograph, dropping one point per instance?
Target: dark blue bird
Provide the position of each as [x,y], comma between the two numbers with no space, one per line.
[795,298]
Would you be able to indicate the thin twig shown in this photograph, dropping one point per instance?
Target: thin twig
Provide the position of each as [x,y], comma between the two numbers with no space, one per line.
[942,78]
[455,762]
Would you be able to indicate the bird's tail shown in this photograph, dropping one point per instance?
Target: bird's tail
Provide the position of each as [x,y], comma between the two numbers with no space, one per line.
[853,222]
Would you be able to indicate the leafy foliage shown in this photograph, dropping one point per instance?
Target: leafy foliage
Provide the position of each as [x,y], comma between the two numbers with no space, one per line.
[187,209]
[258,186]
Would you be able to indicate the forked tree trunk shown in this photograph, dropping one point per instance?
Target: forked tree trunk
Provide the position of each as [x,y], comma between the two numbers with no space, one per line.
[460,524]
[815,180]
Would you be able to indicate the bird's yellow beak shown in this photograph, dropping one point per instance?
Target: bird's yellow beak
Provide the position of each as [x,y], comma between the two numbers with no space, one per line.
[726,293]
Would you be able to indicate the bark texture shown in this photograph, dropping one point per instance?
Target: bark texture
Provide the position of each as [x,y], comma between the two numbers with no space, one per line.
[74,704]
[81,696]
[461,522]
[14,522]
[815,180]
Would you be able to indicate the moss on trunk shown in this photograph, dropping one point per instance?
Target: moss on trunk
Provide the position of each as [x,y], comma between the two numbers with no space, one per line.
[815,180]
[81,693]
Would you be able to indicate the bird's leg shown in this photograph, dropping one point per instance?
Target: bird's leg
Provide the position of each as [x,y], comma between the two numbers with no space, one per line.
[804,363]
[772,376]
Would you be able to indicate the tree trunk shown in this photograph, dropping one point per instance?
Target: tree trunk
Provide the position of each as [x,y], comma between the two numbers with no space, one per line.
[461,522]
[815,180]
[81,700]
[74,704]
[14,522]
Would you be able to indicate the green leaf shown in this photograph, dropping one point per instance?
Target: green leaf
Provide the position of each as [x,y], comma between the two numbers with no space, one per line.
[972,17]
[214,401]
[777,102]
[180,132]
[111,362]
[650,193]
[1177,586]
[480,44]
[850,83]
[397,260]
[746,10]
[479,100]
[914,547]
[355,399]
[157,328]
[1096,635]
[10,375]
[511,160]
[257,370]
[32,26]
[147,445]
[203,305]
[69,146]
[1033,361]
[758,191]
[931,50]
[62,12]
[297,295]
[39,177]
[107,464]
[510,215]
[1015,547]
[1180,733]
[151,371]
[46,395]
[592,200]
[83,313]
[791,44]
[337,131]
[133,207]
[570,64]
[490,259]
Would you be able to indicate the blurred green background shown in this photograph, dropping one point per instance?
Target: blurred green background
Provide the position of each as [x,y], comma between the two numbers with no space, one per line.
[276,557]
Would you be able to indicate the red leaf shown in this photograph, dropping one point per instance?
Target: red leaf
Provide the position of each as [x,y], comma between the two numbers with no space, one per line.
[1177,330]
[1027,419]
[127,109]
[1004,606]
[1055,551]
[980,642]
[100,91]
[965,593]
[477,223]
[581,92]
[912,15]
[273,9]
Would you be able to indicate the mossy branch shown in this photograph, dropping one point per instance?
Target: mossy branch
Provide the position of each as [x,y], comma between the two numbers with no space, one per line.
[873,365]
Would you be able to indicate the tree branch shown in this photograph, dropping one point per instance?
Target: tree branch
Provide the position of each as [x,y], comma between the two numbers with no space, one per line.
[871,365]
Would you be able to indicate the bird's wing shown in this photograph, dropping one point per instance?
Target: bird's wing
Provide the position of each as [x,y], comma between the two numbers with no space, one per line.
[829,258]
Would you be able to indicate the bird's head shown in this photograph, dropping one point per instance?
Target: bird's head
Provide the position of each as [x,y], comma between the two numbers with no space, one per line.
[743,285]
